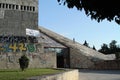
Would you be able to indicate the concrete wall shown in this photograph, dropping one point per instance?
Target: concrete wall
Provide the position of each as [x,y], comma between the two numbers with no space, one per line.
[108,64]
[67,75]
[42,60]
[15,21]
[78,60]
[38,59]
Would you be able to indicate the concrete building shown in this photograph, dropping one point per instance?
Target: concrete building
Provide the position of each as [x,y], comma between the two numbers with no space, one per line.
[48,50]
[17,15]
[73,54]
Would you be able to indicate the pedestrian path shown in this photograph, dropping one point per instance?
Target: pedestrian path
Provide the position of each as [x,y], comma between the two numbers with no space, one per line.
[99,74]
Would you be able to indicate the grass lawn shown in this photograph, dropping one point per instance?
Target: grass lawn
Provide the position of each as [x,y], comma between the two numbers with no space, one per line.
[17,74]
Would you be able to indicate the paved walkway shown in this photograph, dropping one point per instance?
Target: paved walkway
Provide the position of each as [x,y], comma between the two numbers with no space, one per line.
[99,74]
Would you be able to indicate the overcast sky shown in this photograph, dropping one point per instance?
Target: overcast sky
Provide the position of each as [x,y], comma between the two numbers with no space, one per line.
[72,23]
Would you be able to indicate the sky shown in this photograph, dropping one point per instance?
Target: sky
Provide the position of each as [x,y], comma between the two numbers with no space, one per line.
[72,23]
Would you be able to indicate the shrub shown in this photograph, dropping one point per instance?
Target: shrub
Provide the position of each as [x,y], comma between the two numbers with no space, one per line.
[24,62]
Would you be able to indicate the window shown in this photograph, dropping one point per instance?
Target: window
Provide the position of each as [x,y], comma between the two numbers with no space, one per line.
[17,7]
[3,6]
[33,8]
[10,6]
[6,6]
[0,5]
[21,7]
[25,8]
[13,6]
[28,8]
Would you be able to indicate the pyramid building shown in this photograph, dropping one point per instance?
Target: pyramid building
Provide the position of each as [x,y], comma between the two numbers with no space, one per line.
[73,54]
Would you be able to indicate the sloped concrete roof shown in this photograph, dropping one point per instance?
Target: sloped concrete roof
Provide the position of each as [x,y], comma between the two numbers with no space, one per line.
[75,45]
[48,42]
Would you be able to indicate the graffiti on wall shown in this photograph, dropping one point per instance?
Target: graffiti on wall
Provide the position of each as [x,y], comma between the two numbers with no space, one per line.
[11,59]
[43,59]
[17,47]
[17,39]
[1,58]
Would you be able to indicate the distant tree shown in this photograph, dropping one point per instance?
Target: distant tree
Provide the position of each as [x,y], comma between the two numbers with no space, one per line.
[114,49]
[113,46]
[24,62]
[96,9]
[86,44]
[94,48]
[104,49]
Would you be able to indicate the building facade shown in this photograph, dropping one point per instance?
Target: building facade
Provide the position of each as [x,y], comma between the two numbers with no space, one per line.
[48,50]
[17,15]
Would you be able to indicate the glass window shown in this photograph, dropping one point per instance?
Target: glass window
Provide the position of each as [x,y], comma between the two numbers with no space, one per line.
[58,50]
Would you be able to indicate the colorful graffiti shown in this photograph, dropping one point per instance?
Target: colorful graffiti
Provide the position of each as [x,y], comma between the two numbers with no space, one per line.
[17,47]
[31,47]
[17,39]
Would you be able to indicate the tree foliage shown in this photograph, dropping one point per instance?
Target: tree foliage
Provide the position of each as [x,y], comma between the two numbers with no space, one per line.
[24,62]
[104,49]
[94,48]
[86,44]
[97,9]
[113,48]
